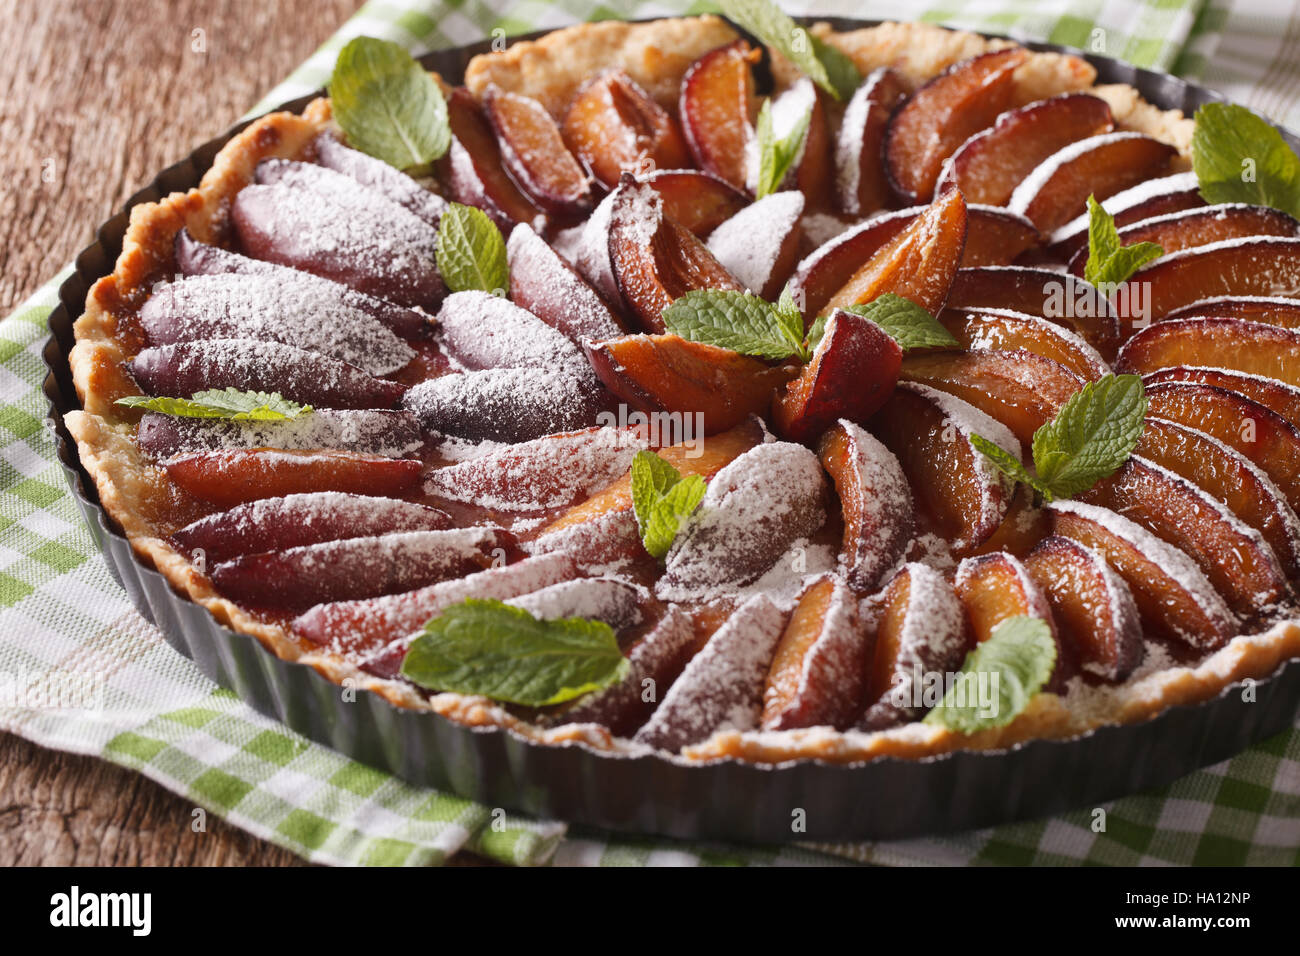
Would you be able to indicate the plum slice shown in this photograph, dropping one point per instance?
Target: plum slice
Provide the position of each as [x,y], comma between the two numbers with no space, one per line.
[1236,344]
[919,263]
[293,579]
[482,330]
[379,176]
[717,109]
[1278,397]
[1058,188]
[860,178]
[557,471]
[1269,309]
[818,672]
[194,258]
[269,309]
[343,232]
[504,404]
[1201,226]
[233,476]
[534,154]
[943,114]
[655,260]
[614,126]
[270,524]
[698,200]
[1056,296]
[669,374]
[994,587]
[1020,389]
[298,375]
[754,510]
[1227,476]
[473,167]
[386,433]
[1263,436]
[1093,608]
[1173,596]
[551,289]
[921,630]
[656,660]
[377,631]
[1155,197]
[722,686]
[874,499]
[759,245]
[1006,329]
[989,166]
[930,433]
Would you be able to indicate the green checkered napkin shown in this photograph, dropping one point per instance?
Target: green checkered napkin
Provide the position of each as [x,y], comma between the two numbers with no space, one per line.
[81,671]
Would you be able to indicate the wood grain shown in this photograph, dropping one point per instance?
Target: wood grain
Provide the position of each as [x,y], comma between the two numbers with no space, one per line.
[95,97]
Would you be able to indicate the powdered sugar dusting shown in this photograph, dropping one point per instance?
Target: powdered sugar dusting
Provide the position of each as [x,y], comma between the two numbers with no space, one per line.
[749,244]
[507,405]
[543,283]
[549,472]
[878,508]
[608,599]
[482,330]
[275,309]
[378,175]
[722,686]
[370,432]
[754,509]
[1169,559]
[1127,199]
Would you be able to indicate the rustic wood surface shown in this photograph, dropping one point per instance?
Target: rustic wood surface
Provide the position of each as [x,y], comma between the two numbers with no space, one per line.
[95,97]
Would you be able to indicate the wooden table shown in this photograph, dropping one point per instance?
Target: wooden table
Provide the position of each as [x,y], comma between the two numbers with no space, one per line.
[95,97]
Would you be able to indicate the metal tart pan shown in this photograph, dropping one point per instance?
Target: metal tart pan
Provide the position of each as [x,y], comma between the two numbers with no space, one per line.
[726,800]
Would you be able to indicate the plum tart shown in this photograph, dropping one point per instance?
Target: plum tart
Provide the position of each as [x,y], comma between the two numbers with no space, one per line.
[667,388]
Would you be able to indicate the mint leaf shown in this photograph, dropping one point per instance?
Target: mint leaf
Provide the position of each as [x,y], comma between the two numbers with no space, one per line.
[911,326]
[825,65]
[228,403]
[776,154]
[999,677]
[732,320]
[661,499]
[651,479]
[1005,462]
[790,317]
[1239,157]
[669,512]
[471,253]
[388,105]
[1109,261]
[1091,436]
[503,652]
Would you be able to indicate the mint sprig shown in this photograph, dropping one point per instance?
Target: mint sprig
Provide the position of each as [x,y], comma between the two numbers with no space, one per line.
[999,677]
[738,321]
[822,63]
[232,404]
[1239,157]
[387,104]
[1089,439]
[471,252]
[662,499]
[907,323]
[1110,262]
[489,648]
[776,154]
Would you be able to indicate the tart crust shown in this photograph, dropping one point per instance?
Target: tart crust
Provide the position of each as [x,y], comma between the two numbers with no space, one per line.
[655,54]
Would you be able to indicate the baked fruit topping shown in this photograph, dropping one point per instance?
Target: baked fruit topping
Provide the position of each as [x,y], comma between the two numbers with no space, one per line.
[792,399]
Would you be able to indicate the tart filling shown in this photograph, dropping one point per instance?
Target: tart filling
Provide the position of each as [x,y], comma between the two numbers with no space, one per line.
[772,548]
